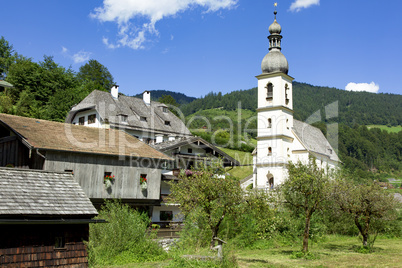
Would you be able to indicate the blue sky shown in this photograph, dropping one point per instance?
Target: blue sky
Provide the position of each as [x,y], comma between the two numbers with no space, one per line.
[199,46]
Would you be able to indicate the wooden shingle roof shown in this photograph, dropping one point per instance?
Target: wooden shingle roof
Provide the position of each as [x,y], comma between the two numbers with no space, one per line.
[49,135]
[42,193]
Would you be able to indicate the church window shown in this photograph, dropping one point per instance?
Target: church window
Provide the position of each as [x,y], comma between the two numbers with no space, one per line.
[269,123]
[269,150]
[270,91]
[287,123]
[270,181]
[286,94]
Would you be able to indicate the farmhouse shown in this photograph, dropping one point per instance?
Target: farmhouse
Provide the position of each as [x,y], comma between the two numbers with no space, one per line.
[280,138]
[152,123]
[44,218]
[187,152]
[107,163]
[149,121]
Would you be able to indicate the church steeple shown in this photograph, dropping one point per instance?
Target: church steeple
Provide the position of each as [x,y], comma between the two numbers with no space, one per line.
[275,61]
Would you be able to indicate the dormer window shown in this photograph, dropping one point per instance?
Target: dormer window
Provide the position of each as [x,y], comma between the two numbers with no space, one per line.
[270,91]
[81,120]
[143,119]
[330,151]
[123,118]
[167,123]
[91,118]
[165,109]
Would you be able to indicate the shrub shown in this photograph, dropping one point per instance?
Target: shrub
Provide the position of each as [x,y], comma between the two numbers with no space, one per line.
[123,239]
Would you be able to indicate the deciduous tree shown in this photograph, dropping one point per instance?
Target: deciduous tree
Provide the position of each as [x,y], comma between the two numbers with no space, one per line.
[366,204]
[207,192]
[305,190]
[97,73]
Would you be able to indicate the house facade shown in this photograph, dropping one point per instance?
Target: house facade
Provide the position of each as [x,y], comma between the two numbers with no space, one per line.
[281,138]
[107,163]
[188,153]
[44,219]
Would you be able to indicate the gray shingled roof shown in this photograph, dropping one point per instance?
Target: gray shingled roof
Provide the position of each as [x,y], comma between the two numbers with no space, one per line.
[314,140]
[169,145]
[42,193]
[109,110]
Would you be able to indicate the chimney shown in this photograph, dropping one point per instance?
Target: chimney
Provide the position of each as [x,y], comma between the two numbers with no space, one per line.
[115,91]
[146,96]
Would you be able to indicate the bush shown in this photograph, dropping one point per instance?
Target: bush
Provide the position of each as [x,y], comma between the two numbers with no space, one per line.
[123,239]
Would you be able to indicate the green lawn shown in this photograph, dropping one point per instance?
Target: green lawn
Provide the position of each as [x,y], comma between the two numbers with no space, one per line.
[244,158]
[388,129]
[336,251]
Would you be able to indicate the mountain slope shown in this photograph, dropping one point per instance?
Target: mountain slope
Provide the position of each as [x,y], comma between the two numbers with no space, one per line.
[179,97]
[354,107]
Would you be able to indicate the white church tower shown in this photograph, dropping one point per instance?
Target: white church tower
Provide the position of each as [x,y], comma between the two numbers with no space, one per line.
[275,115]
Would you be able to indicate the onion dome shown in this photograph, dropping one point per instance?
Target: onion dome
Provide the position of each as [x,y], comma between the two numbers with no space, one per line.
[275,28]
[275,61]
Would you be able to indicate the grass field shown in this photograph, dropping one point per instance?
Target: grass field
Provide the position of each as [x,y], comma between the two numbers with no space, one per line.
[244,158]
[388,129]
[336,251]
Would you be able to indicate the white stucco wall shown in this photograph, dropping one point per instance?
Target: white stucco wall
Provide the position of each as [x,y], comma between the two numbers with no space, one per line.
[85,114]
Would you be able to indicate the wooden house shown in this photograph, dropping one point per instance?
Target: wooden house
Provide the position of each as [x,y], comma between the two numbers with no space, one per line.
[107,163]
[44,219]
[187,152]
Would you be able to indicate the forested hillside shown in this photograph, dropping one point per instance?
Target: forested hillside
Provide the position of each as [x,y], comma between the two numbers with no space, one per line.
[179,97]
[354,107]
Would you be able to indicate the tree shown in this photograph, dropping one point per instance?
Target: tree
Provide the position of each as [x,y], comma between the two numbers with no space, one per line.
[209,194]
[98,73]
[39,86]
[7,57]
[305,189]
[171,103]
[366,204]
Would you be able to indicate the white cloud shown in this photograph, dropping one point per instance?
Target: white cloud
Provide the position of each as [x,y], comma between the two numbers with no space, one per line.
[297,5]
[64,50]
[148,12]
[81,56]
[372,87]
[78,57]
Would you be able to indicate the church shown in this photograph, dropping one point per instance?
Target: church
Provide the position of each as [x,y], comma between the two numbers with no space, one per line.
[280,138]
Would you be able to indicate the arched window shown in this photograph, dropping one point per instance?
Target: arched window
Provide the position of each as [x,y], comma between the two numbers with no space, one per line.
[270,180]
[286,94]
[269,123]
[269,150]
[270,91]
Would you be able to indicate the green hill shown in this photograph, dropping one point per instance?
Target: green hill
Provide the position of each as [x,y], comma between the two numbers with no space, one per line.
[361,108]
[179,97]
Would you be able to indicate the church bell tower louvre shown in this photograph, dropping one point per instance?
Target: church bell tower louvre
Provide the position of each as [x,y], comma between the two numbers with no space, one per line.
[275,114]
